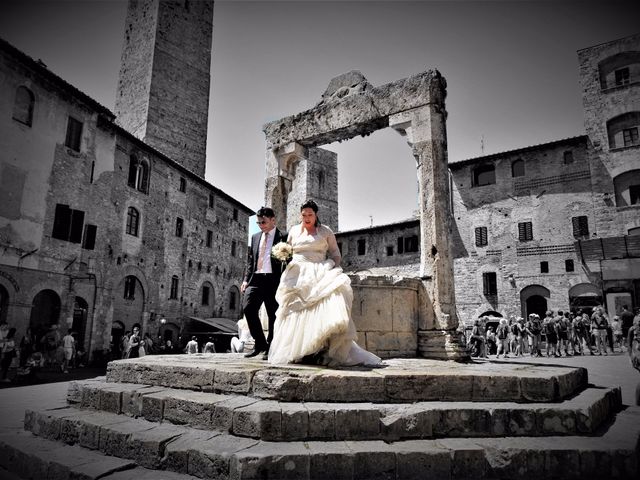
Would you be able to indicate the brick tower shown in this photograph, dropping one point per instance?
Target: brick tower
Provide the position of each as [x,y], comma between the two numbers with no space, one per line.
[163,88]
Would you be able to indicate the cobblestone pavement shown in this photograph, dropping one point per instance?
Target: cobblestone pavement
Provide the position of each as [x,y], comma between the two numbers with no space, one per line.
[606,371]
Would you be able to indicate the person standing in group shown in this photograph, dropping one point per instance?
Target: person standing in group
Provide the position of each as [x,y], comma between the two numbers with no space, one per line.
[600,323]
[580,335]
[626,320]
[69,346]
[314,323]
[134,343]
[502,335]
[261,280]
[616,330]
[562,326]
[209,347]
[192,346]
[8,349]
[551,334]
[535,328]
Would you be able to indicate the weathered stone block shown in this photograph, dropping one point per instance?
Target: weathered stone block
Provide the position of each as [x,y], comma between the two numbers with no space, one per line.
[373,459]
[193,408]
[467,458]
[295,421]
[357,422]
[539,389]
[487,388]
[556,421]
[259,420]
[403,387]
[287,461]
[148,446]
[420,460]
[176,452]
[352,386]
[222,416]
[132,400]
[211,458]
[330,460]
[282,384]
[322,421]
[461,421]
[522,422]
[233,380]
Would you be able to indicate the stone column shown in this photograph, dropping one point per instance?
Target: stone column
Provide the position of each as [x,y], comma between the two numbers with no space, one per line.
[280,175]
[425,130]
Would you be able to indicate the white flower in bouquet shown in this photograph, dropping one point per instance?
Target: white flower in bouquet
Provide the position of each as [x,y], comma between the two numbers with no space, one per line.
[282,251]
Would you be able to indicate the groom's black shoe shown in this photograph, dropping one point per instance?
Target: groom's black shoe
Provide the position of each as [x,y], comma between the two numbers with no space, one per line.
[256,352]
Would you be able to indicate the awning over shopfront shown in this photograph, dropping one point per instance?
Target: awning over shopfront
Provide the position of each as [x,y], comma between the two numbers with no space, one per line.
[225,326]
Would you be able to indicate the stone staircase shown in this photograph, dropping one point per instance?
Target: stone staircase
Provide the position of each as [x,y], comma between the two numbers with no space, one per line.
[223,416]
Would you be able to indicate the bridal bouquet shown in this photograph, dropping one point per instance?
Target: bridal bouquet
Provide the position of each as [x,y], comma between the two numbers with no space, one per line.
[282,251]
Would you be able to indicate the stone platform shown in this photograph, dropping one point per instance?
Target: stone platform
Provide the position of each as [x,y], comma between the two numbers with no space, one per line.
[226,417]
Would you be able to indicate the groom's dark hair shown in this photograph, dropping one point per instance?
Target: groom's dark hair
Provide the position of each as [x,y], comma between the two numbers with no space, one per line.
[266,212]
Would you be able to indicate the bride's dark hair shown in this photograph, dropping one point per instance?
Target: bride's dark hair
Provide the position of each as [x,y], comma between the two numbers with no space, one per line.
[313,206]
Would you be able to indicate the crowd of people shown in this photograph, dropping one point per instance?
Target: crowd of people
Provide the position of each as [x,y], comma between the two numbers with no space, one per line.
[38,350]
[558,333]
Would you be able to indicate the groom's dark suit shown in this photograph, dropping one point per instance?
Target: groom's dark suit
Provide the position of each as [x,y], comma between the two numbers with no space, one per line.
[261,288]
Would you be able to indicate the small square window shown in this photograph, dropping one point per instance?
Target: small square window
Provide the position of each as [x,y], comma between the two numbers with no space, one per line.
[74,134]
[179,226]
[544,267]
[569,266]
[209,238]
[580,226]
[362,246]
[568,157]
[634,194]
[489,283]
[630,136]
[622,77]
[389,250]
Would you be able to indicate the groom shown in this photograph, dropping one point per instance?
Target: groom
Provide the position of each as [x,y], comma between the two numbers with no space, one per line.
[261,280]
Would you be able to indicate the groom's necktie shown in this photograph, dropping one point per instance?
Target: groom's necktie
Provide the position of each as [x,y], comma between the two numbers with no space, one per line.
[263,250]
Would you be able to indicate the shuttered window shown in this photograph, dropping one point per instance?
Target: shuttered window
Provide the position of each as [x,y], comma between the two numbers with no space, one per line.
[525,231]
[489,283]
[481,237]
[580,226]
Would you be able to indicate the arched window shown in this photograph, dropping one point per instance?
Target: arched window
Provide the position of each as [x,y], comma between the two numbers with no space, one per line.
[627,188]
[130,287]
[234,299]
[517,168]
[138,174]
[484,175]
[623,130]
[207,294]
[619,70]
[23,106]
[133,221]
[173,295]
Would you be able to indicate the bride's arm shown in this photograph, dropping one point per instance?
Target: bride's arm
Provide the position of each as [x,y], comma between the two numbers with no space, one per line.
[333,250]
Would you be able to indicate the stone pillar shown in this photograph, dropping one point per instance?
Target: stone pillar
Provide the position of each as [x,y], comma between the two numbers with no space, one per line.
[280,175]
[425,130]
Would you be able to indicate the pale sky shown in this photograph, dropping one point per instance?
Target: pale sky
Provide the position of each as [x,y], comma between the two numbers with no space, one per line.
[511,69]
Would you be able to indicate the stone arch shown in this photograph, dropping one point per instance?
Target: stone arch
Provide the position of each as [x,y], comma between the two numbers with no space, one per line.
[608,67]
[534,299]
[129,310]
[79,323]
[350,106]
[584,296]
[4,304]
[23,105]
[207,306]
[45,311]
[627,188]
[233,306]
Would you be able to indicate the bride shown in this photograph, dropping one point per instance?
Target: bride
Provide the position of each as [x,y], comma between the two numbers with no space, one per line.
[314,297]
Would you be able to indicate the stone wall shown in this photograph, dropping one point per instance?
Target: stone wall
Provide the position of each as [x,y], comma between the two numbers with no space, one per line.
[386,313]
[381,246]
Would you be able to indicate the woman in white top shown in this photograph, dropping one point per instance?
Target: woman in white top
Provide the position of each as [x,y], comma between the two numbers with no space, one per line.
[314,297]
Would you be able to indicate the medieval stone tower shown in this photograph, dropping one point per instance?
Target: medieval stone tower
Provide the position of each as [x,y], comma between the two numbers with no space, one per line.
[163,88]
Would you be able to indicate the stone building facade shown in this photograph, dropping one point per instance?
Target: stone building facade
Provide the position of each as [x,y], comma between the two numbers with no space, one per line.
[99,228]
[551,226]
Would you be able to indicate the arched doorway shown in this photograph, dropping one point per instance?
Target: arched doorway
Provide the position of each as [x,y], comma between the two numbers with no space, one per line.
[79,325]
[534,299]
[45,311]
[584,296]
[128,302]
[4,304]
[117,332]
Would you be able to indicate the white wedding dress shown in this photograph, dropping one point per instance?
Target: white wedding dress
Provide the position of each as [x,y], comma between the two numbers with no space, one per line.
[314,314]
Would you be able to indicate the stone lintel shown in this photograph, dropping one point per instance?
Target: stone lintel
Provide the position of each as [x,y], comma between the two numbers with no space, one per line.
[358,114]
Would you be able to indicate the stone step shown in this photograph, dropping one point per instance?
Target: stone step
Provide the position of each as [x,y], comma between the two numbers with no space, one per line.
[26,456]
[611,453]
[396,381]
[284,421]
